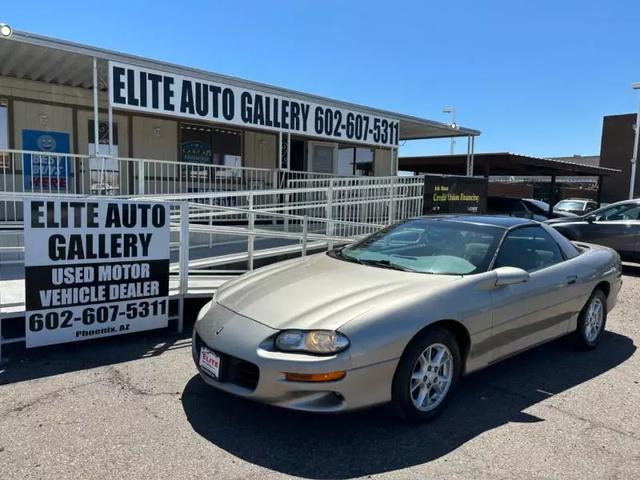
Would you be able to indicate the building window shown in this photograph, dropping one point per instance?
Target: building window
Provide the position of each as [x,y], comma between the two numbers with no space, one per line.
[196,143]
[356,161]
[210,145]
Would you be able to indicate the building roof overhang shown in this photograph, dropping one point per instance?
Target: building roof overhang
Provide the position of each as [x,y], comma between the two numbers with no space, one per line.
[501,164]
[44,59]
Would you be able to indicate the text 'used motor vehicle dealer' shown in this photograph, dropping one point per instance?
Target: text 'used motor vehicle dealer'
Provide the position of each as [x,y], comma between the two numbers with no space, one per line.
[94,268]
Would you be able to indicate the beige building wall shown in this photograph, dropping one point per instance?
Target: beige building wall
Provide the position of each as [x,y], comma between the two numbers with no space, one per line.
[38,116]
[46,92]
[155,138]
[259,150]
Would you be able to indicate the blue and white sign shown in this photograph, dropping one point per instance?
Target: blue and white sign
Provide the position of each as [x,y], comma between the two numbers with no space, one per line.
[43,172]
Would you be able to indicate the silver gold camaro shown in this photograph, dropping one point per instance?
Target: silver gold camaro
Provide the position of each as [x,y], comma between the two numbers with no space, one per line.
[400,316]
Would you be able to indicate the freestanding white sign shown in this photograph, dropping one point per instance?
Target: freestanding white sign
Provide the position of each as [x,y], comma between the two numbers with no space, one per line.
[94,268]
[152,91]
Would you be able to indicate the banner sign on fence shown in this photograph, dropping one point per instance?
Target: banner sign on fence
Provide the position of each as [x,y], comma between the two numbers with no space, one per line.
[94,268]
[444,194]
[152,91]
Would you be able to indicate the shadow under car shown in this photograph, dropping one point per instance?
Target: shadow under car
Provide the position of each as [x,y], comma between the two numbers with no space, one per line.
[374,441]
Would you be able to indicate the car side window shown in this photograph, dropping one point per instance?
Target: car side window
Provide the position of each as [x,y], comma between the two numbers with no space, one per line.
[528,248]
[620,212]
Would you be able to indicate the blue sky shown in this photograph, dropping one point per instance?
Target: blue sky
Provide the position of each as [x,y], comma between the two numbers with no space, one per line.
[535,77]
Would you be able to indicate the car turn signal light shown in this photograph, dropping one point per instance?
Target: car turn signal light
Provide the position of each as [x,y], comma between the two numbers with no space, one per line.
[315,377]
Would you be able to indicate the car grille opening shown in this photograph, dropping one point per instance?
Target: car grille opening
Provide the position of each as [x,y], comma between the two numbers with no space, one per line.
[234,370]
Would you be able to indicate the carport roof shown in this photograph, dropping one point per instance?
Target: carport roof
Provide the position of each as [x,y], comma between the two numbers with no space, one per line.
[501,164]
[35,57]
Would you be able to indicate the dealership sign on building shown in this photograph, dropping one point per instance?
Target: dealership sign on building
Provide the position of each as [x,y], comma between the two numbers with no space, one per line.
[156,92]
[94,268]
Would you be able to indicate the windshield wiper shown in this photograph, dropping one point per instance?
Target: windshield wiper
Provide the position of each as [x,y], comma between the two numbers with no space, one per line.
[387,264]
[347,258]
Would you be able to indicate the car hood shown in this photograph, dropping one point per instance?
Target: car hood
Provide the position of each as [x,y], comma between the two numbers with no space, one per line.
[321,292]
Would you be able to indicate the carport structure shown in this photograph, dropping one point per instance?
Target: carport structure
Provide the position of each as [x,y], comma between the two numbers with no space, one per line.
[505,164]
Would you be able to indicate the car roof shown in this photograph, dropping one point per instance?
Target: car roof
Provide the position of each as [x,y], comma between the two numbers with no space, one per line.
[628,201]
[501,221]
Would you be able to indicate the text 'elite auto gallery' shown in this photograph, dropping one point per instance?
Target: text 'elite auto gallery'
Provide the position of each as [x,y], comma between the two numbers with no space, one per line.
[89,264]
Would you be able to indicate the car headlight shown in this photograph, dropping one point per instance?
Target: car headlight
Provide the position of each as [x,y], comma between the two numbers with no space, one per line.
[311,341]
[204,310]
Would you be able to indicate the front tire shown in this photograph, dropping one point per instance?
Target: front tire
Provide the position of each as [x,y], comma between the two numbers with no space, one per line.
[592,321]
[426,375]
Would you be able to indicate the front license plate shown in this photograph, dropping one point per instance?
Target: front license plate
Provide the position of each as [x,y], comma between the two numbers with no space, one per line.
[210,362]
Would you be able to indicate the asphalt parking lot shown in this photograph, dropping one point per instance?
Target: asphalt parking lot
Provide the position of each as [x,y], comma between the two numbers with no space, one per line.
[135,408]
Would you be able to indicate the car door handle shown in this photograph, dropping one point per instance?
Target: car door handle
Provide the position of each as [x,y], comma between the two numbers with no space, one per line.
[571,279]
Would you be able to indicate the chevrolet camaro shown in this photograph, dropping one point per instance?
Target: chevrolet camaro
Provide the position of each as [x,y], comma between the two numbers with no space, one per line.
[400,316]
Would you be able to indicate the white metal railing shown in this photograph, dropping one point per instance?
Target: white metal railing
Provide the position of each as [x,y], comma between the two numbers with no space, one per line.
[380,204]
[60,173]
[190,219]
[379,198]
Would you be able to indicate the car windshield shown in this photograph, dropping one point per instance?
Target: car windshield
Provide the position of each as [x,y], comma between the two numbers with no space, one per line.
[569,205]
[428,246]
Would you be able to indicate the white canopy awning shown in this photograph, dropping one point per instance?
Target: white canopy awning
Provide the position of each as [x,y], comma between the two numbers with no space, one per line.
[43,59]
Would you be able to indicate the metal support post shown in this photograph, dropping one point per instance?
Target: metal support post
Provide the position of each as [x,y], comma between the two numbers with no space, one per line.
[468,155]
[274,186]
[287,199]
[211,222]
[140,164]
[392,202]
[329,213]
[288,150]
[552,195]
[110,113]
[279,158]
[251,237]
[96,119]
[473,149]
[634,158]
[305,231]
[95,105]
[183,278]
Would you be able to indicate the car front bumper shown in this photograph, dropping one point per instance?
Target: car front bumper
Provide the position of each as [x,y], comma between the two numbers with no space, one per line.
[255,370]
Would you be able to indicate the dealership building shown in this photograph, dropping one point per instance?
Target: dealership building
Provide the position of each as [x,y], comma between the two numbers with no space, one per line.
[57,97]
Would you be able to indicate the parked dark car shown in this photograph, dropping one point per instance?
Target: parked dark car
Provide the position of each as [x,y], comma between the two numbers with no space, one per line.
[579,206]
[521,207]
[616,226]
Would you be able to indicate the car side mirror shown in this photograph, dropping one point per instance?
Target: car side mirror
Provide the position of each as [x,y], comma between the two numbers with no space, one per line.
[510,276]
[590,218]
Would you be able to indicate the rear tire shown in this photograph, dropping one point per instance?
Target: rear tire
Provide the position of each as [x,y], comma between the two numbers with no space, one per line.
[427,375]
[592,320]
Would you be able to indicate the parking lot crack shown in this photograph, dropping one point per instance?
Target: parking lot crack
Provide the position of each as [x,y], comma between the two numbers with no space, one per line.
[46,397]
[120,379]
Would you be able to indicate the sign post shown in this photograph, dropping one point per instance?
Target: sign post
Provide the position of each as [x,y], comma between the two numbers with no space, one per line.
[94,268]
[453,194]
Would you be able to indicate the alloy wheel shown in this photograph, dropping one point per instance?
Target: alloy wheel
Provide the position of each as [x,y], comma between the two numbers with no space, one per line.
[595,319]
[431,377]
